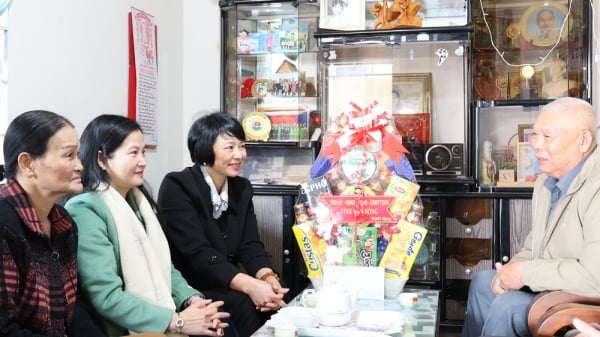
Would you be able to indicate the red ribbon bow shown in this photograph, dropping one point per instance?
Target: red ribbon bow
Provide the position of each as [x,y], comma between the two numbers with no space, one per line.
[360,127]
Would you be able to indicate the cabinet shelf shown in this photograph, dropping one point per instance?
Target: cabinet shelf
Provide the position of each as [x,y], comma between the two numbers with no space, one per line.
[286,53]
[394,36]
[275,190]
[283,145]
[283,97]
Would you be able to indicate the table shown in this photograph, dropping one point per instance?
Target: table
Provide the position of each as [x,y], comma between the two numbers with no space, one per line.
[422,320]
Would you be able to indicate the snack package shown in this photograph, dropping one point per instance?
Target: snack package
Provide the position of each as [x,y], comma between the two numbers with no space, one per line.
[402,250]
[309,242]
[346,243]
[366,238]
[405,193]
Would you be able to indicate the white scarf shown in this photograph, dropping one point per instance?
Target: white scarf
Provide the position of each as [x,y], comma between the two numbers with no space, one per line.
[220,201]
[145,256]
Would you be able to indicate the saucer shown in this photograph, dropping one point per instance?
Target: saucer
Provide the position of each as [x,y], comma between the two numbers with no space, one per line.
[299,316]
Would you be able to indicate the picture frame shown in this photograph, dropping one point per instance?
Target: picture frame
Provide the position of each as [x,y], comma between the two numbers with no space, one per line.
[342,14]
[506,178]
[414,93]
[544,10]
[525,131]
[505,157]
[527,164]
[414,125]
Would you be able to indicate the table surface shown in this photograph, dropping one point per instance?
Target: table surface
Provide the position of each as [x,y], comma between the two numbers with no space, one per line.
[421,320]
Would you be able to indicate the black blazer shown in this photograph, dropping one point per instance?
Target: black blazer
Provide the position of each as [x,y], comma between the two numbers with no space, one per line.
[205,250]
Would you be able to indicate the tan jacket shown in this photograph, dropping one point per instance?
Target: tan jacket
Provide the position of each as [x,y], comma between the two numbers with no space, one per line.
[566,255]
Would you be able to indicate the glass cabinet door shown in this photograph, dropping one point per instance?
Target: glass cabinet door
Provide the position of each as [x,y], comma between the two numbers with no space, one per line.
[529,50]
[271,67]
[270,86]
[504,157]
[419,76]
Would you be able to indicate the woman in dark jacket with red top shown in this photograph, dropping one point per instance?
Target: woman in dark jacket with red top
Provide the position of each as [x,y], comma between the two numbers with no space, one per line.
[38,240]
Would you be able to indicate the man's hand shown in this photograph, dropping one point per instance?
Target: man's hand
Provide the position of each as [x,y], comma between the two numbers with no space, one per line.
[509,275]
[585,329]
[496,288]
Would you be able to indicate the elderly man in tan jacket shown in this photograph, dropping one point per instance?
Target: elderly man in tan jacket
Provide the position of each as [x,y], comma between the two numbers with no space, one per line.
[562,249]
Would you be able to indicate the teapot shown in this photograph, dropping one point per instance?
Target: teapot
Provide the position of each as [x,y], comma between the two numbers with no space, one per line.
[333,304]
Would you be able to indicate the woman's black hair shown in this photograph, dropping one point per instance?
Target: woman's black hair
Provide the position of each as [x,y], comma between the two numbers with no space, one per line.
[204,133]
[105,133]
[29,132]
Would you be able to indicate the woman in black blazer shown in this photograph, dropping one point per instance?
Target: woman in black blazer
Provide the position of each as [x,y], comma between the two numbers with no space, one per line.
[211,225]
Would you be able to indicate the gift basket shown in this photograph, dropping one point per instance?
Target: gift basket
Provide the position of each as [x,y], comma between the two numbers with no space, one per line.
[361,205]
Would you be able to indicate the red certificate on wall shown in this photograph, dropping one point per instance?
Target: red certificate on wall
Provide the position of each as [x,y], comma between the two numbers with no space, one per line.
[415,125]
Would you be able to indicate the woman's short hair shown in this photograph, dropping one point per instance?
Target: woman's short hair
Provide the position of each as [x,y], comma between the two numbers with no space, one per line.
[104,133]
[29,132]
[204,132]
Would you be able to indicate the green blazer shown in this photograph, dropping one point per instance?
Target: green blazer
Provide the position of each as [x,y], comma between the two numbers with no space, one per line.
[101,278]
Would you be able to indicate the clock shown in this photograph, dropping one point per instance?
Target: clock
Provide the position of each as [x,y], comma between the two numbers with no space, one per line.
[260,88]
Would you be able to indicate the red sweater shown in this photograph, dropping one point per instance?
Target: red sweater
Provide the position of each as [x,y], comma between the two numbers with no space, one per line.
[38,275]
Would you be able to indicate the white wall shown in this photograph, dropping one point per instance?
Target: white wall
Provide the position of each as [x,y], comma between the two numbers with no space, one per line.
[71,57]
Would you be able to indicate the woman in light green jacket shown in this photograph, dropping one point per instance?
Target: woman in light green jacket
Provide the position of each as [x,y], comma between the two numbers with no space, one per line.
[124,258]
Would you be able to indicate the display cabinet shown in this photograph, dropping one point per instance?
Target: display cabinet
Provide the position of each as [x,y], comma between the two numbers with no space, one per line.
[269,83]
[420,76]
[525,53]
[463,90]
[529,49]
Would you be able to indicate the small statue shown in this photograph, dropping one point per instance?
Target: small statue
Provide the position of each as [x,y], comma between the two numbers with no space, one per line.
[401,13]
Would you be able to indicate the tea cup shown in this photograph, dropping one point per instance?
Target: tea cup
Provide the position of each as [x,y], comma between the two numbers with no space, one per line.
[286,330]
[408,299]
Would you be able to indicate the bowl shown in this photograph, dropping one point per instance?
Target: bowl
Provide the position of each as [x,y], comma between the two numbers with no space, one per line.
[408,299]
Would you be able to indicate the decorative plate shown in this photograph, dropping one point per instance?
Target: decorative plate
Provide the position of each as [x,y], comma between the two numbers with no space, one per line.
[257,126]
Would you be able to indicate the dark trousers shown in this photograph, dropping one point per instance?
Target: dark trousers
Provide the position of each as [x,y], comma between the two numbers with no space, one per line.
[246,319]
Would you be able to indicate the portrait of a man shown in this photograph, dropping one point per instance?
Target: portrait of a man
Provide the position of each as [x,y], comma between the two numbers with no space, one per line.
[541,24]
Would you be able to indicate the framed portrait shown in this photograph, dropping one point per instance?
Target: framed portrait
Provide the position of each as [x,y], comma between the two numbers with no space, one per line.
[527,164]
[342,14]
[543,24]
[411,93]
[525,132]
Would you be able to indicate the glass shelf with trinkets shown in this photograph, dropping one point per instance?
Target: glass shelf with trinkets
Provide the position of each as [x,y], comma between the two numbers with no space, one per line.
[531,50]
[270,85]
